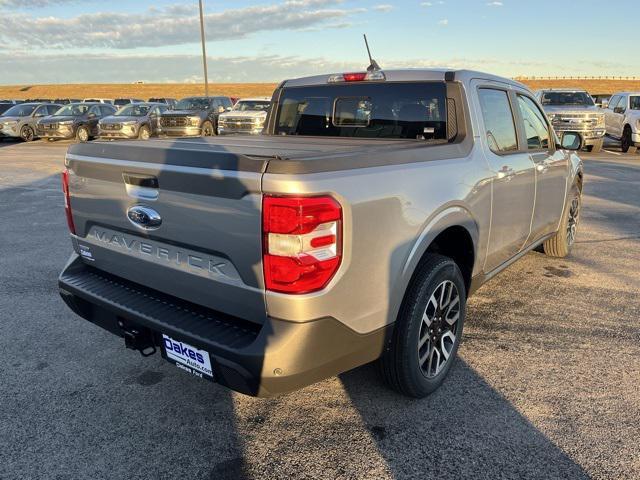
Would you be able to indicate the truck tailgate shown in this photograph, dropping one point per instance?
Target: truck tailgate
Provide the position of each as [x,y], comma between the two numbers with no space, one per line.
[207,248]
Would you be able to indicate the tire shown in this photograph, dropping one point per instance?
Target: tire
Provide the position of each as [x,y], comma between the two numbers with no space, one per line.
[406,365]
[626,145]
[207,129]
[144,133]
[597,147]
[82,134]
[561,243]
[27,134]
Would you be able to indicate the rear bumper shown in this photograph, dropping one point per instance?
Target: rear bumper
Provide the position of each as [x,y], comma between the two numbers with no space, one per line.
[260,360]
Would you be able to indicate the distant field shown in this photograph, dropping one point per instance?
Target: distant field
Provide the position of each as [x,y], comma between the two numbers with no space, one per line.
[176,90]
[144,91]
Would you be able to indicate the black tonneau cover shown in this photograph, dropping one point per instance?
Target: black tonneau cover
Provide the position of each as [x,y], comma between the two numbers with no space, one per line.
[264,153]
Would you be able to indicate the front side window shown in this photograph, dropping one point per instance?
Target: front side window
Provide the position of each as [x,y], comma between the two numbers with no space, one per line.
[498,120]
[613,102]
[535,126]
[621,107]
[366,110]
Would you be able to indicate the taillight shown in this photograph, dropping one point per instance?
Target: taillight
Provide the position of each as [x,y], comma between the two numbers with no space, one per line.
[302,240]
[374,75]
[67,201]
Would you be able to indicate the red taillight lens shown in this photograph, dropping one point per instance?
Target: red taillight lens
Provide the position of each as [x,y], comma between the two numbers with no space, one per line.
[302,242]
[67,201]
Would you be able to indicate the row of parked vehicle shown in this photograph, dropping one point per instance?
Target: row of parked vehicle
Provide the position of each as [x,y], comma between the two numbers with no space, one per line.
[595,117]
[569,110]
[100,118]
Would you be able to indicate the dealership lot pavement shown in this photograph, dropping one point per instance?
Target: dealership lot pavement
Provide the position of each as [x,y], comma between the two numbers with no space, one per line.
[547,384]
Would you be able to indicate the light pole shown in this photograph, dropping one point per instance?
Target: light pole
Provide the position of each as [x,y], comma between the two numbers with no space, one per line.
[204,51]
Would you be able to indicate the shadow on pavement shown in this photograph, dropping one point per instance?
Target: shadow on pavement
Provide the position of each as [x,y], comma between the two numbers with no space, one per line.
[466,429]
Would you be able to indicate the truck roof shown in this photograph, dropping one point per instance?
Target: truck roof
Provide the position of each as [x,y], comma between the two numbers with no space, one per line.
[625,93]
[412,75]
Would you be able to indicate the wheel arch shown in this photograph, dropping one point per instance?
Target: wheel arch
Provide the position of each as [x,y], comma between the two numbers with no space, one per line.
[453,233]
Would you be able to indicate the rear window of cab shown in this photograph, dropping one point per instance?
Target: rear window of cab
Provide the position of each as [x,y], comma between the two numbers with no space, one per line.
[415,110]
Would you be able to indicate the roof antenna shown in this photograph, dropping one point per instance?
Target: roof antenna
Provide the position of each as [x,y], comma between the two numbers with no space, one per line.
[374,65]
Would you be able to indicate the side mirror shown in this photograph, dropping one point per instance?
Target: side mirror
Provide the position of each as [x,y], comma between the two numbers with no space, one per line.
[91,116]
[228,109]
[618,110]
[571,141]
[221,109]
[605,103]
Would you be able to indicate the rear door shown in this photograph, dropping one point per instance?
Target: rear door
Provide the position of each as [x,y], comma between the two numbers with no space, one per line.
[206,246]
[551,166]
[513,182]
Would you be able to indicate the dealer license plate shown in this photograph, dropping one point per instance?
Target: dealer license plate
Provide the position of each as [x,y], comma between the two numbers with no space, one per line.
[187,357]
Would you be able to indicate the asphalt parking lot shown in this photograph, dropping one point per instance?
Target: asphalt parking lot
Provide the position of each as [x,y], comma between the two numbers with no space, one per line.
[547,384]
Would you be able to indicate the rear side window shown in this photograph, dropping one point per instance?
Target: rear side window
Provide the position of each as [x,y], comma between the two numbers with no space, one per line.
[365,110]
[634,102]
[535,126]
[498,120]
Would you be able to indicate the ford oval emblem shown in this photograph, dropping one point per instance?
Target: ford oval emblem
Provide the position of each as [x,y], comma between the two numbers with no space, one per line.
[144,217]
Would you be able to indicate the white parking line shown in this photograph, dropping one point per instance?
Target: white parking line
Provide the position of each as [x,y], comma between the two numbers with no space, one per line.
[615,153]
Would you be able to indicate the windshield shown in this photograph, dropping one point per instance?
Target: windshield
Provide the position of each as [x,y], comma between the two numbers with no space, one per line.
[20,111]
[368,110]
[133,110]
[193,104]
[634,102]
[567,98]
[72,110]
[252,106]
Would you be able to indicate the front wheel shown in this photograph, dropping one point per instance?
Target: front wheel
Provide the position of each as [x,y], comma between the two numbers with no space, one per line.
[428,329]
[207,129]
[626,143]
[27,134]
[82,134]
[561,243]
[144,133]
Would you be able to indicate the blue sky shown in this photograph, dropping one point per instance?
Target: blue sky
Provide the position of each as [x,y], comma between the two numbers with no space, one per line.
[64,41]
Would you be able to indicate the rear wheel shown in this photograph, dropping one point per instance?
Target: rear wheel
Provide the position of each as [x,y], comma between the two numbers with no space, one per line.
[144,133]
[626,142]
[561,243]
[27,134]
[428,330]
[207,129]
[82,134]
[596,147]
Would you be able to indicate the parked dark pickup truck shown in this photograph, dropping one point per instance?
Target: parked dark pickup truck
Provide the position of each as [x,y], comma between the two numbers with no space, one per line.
[353,230]
[194,117]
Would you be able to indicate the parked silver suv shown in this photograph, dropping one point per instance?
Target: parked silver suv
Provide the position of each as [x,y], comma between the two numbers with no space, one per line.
[136,120]
[21,120]
[572,110]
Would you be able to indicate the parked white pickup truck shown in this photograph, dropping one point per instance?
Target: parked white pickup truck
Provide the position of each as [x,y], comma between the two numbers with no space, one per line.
[622,119]
[247,116]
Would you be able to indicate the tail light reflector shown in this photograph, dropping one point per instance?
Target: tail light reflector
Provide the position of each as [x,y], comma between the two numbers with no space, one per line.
[302,242]
[67,201]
